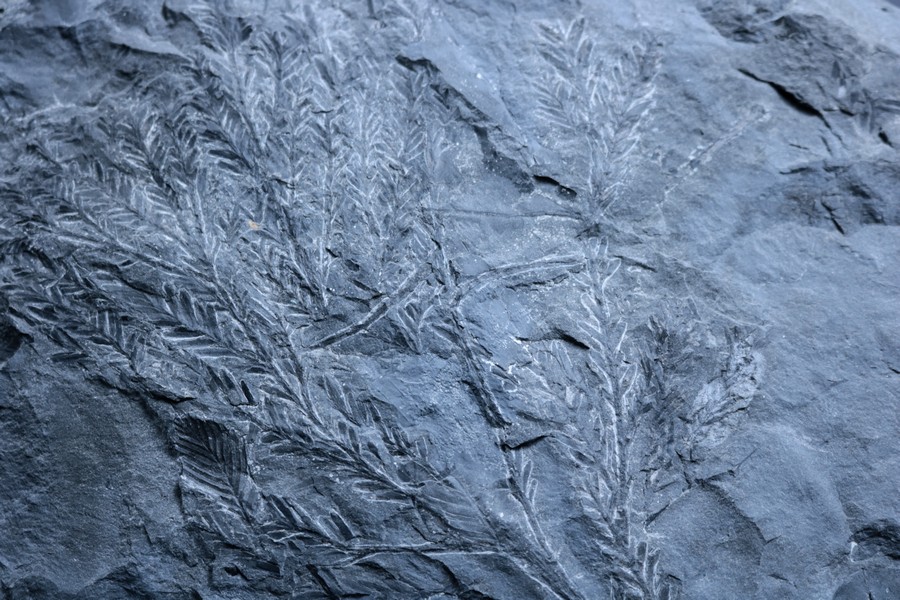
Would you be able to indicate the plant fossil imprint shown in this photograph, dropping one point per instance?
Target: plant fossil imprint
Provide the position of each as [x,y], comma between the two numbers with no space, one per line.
[594,106]
[251,236]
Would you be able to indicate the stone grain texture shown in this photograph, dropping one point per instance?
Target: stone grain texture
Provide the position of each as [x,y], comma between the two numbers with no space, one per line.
[397,299]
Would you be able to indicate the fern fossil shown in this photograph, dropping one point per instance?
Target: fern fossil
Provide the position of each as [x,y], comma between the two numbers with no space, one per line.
[594,108]
[250,213]
[630,426]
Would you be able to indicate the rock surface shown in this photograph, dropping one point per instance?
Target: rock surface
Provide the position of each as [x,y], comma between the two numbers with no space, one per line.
[398,299]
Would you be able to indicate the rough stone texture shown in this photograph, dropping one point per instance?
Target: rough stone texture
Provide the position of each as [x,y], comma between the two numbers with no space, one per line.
[390,299]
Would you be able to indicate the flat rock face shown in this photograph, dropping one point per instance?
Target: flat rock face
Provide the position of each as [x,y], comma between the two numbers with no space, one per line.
[398,299]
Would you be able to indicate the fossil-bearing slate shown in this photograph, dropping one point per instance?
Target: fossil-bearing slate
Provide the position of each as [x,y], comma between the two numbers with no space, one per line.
[398,299]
